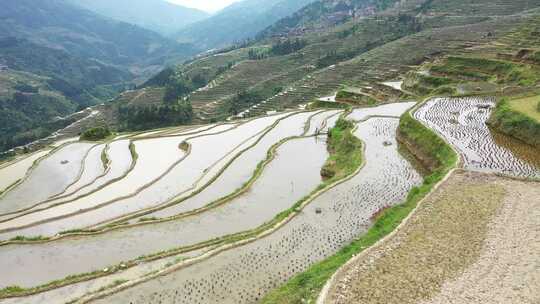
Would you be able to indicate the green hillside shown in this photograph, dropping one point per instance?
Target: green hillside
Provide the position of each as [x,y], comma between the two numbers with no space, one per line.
[367,43]
[61,59]
[81,33]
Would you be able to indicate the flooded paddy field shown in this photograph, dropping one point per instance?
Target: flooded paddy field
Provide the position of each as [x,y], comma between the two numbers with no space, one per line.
[243,167]
[286,180]
[155,178]
[244,274]
[70,292]
[462,122]
[321,122]
[51,176]
[93,167]
[390,110]
[119,165]
[15,171]
[175,199]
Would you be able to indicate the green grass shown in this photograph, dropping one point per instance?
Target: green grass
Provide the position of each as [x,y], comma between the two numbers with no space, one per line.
[529,106]
[448,73]
[28,239]
[355,97]
[503,71]
[512,121]
[342,145]
[319,104]
[305,287]
[427,142]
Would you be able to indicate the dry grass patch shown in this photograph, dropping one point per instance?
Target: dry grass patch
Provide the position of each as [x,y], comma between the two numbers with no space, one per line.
[444,237]
[529,106]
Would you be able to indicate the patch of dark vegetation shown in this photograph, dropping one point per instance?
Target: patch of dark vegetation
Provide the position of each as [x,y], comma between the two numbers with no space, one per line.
[96,134]
[356,98]
[154,116]
[287,46]
[319,104]
[28,239]
[240,101]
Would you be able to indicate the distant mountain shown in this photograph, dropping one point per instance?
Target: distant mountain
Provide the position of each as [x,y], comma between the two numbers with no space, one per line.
[23,55]
[157,15]
[81,33]
[58,58]
[237,22]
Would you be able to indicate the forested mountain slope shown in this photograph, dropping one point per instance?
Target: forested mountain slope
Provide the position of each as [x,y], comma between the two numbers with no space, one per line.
[71,58]
[81,33]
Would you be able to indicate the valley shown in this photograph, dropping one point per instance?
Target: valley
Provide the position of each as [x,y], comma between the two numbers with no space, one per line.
[344,152]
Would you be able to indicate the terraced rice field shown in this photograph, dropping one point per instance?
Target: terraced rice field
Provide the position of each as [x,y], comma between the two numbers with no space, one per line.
[243,275]
[57,172]
[462,122]
[14,172]
[194,215]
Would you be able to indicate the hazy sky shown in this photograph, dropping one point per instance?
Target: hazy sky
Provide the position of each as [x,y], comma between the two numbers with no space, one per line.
[205,5]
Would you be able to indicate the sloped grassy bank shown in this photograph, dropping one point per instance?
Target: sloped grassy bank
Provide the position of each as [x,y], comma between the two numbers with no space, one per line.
[516,124]
[305,287]
[343,147]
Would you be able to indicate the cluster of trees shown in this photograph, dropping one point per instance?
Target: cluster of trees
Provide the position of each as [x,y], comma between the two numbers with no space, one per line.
[177,85]
[241,101]
[334,57]
[28,117]
[26,88]
[224,68]
[288,46]
[257,54]
[155,116]
[96,134]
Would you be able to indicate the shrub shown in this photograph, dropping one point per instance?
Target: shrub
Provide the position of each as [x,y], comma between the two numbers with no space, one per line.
[96,134]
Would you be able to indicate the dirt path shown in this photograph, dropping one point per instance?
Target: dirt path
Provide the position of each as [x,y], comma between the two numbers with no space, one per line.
[475,240]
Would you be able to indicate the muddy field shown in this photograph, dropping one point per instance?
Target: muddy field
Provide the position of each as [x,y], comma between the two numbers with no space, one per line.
[472,241]
[462,122]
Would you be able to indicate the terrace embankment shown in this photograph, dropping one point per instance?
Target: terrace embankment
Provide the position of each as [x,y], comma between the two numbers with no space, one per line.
[472,241]
[518,118]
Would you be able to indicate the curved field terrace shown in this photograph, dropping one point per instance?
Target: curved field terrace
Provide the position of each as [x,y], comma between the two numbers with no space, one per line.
[221,213]
[462,122]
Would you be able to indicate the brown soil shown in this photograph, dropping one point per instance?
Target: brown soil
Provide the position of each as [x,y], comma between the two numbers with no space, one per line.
[475,240]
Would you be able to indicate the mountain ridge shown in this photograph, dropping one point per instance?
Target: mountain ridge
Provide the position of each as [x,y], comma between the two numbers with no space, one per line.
[238,22]
[157,15]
